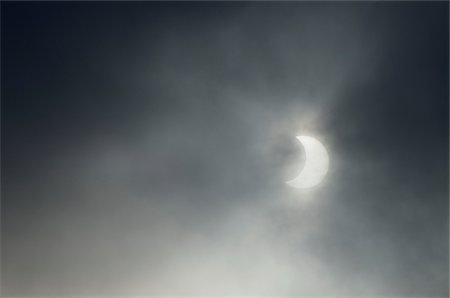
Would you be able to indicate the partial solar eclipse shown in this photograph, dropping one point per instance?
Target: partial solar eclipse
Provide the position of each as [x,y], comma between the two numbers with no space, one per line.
[316,164]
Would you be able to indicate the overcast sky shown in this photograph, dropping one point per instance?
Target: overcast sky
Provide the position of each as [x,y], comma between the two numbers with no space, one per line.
[145,148]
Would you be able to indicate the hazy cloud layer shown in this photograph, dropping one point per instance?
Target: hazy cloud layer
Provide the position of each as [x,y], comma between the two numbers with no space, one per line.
[146,145]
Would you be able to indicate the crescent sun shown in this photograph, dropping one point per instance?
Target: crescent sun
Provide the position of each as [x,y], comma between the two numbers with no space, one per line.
[316,164]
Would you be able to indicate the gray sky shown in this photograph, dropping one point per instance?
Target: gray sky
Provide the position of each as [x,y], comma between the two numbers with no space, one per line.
[146,145]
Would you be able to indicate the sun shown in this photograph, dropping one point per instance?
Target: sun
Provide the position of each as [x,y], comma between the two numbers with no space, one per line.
[316,165]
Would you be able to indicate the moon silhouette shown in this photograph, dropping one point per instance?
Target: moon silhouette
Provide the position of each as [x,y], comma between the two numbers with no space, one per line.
[316,164]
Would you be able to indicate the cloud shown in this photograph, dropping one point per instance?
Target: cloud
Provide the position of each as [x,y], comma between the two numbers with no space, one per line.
[151,159]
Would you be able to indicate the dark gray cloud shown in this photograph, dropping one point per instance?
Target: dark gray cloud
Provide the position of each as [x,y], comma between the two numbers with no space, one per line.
[146,145]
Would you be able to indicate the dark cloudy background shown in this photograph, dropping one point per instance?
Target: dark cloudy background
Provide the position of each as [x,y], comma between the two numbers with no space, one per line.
[145,148]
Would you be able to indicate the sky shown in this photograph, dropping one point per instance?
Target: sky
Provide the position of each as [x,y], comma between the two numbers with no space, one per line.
[146,145]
